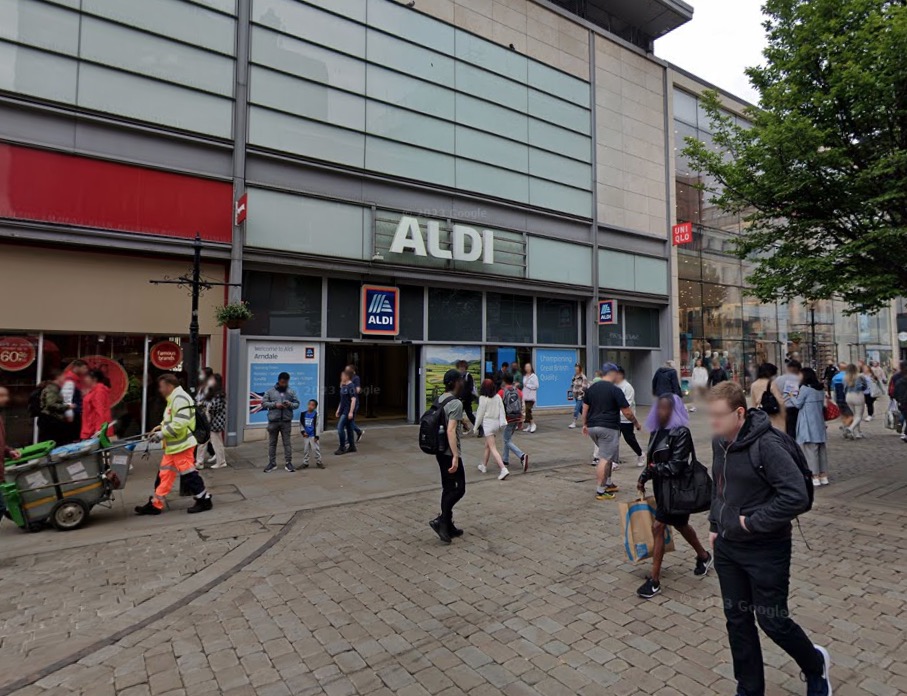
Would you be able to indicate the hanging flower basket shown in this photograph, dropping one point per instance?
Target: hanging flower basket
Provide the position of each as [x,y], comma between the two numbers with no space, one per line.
[795,337]
[233,315]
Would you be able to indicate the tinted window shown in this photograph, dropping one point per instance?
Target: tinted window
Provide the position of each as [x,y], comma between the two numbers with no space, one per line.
[454,315]
[283,304]
[343,308]
[557,321]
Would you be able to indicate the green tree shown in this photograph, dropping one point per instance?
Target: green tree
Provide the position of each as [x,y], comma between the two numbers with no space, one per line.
[820,174]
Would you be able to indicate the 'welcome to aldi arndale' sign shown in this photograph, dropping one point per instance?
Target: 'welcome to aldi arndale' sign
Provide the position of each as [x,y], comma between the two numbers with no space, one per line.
[443,244]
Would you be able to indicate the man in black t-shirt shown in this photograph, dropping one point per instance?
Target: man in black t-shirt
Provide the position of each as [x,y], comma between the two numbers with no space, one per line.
[602,405]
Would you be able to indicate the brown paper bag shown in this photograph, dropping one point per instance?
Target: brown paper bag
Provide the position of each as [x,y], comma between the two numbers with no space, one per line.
[636,518]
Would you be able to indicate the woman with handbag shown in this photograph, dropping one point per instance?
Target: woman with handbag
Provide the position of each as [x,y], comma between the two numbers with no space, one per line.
[490,418]
[811,432]
[670,455]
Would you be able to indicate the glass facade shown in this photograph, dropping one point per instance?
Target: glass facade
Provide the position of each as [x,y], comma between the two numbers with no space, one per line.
[719,321]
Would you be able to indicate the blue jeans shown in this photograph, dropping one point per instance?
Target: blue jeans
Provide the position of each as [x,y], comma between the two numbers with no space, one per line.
[508,443]
[345,430]
[577,408]
[354,428]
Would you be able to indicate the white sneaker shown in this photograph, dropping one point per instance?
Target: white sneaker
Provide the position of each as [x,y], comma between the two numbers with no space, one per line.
[867,419]
[483,468]
[504,474]
[641,460]
[219,466]
[615,465]
[573,425]
[692,409]
[532,429]
[904,437]
[526,427]
[816,482]
[823,480]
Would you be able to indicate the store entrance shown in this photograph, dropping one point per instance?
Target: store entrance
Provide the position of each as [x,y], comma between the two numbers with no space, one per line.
[638,368]
[383,371]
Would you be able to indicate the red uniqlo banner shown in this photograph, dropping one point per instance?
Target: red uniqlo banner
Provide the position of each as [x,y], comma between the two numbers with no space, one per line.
[71,190]
[682,233]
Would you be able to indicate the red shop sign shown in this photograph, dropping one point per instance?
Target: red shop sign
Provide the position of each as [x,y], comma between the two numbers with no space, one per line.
[682,233]
[16,353]
[166,355]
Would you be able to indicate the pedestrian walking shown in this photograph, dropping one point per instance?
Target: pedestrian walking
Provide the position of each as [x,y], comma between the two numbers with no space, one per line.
[490,419]
[310,430]
[873,391]
[758,490]
[52,423]
[898,388]
[453,477]
[512,398]
[666,381]
[280,401]
[828,374]
[579,385]
[626,426]
[811,433]
[668,456]
[717,374]
[357,385]
[855,398]
[602,406]
[95,404]
[789,385]
[346,412]
[72,392]
[176,432]
[468,391]
[530,395]
[214,406]
[766,396]
[6,452]
[699,381]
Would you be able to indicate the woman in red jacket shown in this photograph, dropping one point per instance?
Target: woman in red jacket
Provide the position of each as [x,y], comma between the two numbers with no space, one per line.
[95,403]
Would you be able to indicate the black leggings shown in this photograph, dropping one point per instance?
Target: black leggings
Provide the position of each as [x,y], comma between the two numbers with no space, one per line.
[453,486]
[870,405]
[629,433]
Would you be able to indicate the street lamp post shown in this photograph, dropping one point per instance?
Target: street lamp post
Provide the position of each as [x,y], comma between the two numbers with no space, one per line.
[814,347]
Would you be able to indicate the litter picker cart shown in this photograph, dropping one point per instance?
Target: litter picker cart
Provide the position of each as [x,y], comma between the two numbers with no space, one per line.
[63,486]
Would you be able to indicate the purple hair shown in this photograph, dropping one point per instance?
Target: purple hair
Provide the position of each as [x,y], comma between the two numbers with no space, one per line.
[678,418]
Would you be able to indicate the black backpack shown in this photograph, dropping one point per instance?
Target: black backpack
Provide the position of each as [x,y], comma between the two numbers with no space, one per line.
[793,449]
[769,402]
[433,428]
[513,405]
[202,432]
[34,402]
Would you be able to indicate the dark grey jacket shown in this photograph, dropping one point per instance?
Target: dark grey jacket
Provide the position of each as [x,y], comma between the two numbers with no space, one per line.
[665,381]
[768,499]
[273,397]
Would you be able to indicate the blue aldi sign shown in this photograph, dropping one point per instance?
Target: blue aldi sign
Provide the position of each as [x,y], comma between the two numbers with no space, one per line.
[607,312]
[380,311]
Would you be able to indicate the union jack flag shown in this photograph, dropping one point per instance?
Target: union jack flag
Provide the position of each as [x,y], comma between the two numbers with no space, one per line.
[255,400]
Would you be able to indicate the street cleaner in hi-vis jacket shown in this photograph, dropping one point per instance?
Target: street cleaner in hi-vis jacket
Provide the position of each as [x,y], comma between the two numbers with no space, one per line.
[176,432]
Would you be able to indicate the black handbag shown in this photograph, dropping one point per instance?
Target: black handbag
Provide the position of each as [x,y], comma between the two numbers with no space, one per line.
[688,492]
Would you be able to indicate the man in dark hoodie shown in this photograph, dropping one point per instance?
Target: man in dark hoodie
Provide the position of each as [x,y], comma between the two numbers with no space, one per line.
[758,490]
[665,381]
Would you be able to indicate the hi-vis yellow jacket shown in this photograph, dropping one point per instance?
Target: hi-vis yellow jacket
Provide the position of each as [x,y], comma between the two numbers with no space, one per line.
[179,422]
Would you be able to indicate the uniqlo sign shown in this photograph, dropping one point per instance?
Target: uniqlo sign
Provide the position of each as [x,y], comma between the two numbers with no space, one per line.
[682,233]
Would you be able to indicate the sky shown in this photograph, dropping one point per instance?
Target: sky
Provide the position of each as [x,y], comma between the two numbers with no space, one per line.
[724,37]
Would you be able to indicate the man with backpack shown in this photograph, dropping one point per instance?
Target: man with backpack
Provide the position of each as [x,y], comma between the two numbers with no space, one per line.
[177,431]
[513,412]
[761,483]
[439,434]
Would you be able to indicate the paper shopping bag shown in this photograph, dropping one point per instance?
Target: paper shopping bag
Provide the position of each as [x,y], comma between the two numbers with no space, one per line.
[636,519]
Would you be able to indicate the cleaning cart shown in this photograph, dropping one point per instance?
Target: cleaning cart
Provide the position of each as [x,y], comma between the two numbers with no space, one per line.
[60,485]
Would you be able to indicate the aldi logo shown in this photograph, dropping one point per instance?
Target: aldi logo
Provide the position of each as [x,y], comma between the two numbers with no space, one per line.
[380,311]
[607,312]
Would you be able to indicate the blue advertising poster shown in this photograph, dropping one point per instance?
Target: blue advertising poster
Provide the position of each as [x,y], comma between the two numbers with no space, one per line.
[555,370]
[505,355]
[267,359]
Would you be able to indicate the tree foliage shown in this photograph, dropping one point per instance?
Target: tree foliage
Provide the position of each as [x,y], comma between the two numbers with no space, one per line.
[820,176]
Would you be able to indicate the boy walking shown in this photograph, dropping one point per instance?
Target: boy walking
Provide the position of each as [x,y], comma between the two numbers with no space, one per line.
[311,434]
[758,490]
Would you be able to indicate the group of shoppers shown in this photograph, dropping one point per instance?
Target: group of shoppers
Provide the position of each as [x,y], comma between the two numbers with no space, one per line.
[72,404]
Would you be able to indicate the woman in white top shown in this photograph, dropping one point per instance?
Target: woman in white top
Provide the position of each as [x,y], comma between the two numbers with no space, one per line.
[530,394]
[491,418]
[699,380]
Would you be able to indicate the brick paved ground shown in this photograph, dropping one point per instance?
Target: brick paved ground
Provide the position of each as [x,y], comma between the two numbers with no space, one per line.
[535,599]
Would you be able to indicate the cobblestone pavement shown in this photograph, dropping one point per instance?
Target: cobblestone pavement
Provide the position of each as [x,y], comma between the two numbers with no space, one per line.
[536,598]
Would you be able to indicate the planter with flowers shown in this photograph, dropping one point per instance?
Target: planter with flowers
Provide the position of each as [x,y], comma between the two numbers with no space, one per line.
[233,315]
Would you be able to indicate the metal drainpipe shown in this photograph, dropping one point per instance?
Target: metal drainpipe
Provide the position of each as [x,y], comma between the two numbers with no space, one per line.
[672,344]
[591,318]
[236,410]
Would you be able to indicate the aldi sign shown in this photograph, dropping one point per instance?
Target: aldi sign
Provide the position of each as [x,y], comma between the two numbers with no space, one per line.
[380,311]
[607,312]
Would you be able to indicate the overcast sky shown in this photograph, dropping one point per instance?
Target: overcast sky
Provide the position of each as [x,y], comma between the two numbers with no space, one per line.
[724,37]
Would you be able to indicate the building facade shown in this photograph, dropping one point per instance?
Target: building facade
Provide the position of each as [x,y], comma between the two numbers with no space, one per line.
[488,180]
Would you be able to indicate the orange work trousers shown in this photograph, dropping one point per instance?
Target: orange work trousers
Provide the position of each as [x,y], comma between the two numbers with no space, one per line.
[172,467]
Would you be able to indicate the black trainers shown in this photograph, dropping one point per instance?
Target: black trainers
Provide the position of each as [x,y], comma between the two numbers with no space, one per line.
[359,435]
[305,465]
[820,684]
[289,467]
[524,460]
[269,468]
[147,509]
[440,529]
[201,505]
[649,589]
[352,448]
[703,566]
[320,465]
[340,450]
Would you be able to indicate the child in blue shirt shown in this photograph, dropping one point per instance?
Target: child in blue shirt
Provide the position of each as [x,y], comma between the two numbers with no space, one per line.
[308,426]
